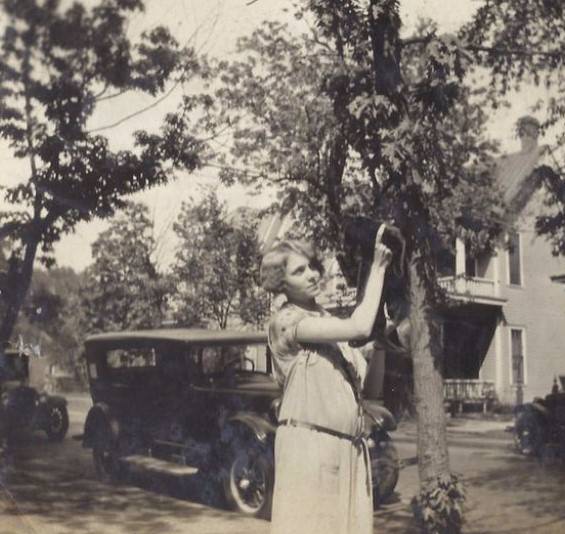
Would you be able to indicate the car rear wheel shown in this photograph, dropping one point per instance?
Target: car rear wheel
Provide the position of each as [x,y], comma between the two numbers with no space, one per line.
[57,423]
[105,456]
[385,468]
[248,480]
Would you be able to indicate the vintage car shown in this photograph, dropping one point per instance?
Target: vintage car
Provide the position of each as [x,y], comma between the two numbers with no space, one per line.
[23,408]
[201,399]
[539,426]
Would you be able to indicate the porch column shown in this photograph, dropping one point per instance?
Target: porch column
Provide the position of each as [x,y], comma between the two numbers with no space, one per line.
[459,257]
[498,360]
[496,272]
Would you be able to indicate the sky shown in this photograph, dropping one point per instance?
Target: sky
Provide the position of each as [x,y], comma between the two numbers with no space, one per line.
[213,27]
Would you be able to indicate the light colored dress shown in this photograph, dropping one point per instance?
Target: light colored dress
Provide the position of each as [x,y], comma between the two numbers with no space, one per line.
[322,482]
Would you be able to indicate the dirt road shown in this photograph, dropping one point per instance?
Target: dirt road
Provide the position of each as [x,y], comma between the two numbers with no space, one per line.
[51,488]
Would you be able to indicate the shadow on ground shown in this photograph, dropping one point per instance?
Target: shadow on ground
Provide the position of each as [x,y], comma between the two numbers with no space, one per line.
[55,484]
[519,495]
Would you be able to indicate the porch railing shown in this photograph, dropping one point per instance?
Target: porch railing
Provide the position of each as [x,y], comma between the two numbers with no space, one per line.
[460,391]
[472,286]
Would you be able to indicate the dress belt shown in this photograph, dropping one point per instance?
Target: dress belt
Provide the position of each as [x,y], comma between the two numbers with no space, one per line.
[318,428]
[359,442]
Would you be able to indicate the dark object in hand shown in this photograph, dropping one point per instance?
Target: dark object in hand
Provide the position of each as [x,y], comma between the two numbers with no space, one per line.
[359,245]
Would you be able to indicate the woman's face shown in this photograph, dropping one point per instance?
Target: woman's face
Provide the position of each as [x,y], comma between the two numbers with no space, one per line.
[302,279]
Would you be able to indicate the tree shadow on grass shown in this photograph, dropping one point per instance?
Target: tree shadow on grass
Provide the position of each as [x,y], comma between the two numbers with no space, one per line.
[54,485]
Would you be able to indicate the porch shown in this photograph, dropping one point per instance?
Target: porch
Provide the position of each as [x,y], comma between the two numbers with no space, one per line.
[471,289]
[458,392]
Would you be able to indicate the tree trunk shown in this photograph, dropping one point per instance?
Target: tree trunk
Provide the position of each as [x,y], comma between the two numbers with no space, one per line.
[20,281]
[433,456]
[428,383]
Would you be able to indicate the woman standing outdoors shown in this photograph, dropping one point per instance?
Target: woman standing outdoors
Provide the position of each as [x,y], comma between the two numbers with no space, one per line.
[322,467]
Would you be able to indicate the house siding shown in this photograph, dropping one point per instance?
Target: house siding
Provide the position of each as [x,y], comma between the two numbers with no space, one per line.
[538,307]
[488,369]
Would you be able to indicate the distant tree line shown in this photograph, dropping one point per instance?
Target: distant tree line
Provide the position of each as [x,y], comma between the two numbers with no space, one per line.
[213,281]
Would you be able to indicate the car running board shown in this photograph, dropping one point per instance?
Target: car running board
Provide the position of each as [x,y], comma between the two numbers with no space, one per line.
[162,466]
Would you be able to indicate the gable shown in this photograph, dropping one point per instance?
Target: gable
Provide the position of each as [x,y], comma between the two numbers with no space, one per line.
[515,173]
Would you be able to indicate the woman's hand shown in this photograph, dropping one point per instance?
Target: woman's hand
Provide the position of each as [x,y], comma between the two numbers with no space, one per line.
[382,255]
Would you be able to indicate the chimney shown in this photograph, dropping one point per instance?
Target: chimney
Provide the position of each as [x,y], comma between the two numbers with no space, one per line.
[528,128]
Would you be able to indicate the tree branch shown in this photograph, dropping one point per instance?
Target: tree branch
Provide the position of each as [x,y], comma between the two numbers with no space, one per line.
[104,89]
[138,112]
[424,40]
[100,97]
[513,51]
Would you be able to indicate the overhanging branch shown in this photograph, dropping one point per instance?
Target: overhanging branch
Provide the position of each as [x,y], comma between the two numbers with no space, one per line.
[425,39]
[513,51]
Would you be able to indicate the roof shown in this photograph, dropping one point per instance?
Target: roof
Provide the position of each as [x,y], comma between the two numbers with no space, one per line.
[514,173]
[181,335]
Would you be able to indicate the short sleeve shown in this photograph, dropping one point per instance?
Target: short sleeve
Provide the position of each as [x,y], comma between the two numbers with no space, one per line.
[282,340]
[282,331]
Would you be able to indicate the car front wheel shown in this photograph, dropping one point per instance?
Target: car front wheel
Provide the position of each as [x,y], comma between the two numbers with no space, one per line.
[248,480]
[386,467]
[57,423]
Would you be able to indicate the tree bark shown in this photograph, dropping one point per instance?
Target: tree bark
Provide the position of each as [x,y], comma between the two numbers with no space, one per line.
[433,457]
[20,281]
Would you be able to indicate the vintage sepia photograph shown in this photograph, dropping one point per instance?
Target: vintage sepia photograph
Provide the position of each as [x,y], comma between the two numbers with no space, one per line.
[282,266]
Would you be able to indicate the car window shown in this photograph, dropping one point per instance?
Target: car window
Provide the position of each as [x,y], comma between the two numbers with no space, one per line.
[131,357]
[128,365]
[215,359]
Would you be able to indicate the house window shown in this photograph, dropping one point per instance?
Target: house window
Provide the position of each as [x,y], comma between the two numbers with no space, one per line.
[517,355]
[514,259]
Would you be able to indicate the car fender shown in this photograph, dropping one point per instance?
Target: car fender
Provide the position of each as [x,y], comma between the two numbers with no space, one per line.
[99,414]
[378,416]
[534,408]
[260,427]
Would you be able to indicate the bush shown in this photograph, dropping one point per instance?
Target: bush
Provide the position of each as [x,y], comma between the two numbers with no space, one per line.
[439,509]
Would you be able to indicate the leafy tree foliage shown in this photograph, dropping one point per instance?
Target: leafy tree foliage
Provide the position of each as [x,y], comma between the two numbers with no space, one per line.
[123,288]
[51,315]
[350,118]
[216,266]
[522,42]
[56,64]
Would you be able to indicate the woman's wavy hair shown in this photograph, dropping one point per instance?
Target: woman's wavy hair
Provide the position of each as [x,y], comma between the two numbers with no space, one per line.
[273,264]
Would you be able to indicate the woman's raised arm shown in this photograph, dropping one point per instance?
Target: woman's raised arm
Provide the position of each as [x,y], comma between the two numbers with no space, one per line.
[360,323]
